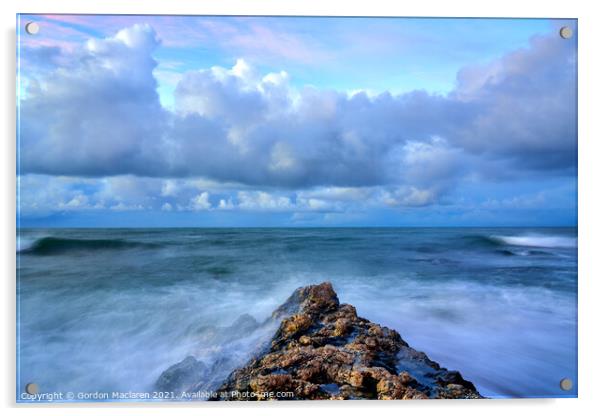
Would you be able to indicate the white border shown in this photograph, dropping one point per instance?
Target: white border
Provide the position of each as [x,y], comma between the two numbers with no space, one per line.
[590,176]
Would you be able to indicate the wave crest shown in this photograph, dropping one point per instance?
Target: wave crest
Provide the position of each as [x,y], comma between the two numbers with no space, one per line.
[547,241]
[57,245]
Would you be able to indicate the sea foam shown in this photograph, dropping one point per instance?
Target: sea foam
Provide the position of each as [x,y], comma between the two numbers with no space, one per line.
[547,241]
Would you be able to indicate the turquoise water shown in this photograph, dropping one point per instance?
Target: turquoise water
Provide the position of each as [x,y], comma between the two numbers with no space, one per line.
[103,310]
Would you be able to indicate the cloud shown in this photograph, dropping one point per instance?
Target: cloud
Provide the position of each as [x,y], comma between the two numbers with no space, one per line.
[523,105]
[265,41]
[96,113]
[200,202]
[409,197]
[337,193]
[44,196]
[260,200]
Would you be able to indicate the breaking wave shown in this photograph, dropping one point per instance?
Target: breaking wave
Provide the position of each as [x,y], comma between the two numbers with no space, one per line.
[57,245]
[547,241]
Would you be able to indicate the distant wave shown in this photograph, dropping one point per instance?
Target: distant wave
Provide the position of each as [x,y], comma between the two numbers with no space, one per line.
[481,241]
[57,245]
[546,241]
[524,252]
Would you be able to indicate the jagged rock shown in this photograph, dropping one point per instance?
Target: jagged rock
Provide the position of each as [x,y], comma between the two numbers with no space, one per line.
[323,350]
[245,324]
[190,375]
[180,376]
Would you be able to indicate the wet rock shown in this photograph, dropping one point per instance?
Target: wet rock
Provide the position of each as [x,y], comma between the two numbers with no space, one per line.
[323,350]
[191,375]
[179,377]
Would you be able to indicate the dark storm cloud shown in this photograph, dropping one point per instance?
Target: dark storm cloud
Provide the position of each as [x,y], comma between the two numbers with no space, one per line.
[99,115]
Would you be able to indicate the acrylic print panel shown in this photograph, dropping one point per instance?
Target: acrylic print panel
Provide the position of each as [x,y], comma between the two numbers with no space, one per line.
[307,208]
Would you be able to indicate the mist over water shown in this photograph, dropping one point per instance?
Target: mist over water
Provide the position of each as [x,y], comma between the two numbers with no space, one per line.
[110,309]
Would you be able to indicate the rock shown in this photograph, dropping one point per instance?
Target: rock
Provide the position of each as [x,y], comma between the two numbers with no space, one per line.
[191,375]
[245,324]
[309,299]
[323,350]
[181,376]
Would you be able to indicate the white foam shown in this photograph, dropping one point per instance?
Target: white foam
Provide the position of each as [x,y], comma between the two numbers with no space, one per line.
[548,241]
[24,243]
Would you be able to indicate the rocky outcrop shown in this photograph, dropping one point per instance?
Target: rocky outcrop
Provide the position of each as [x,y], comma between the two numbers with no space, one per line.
[185,373]
[223,350]
[323,350]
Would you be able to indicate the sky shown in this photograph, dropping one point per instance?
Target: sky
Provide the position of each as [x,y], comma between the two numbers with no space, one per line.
[173,121]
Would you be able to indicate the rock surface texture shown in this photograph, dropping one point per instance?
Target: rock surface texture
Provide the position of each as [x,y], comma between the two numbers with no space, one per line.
[323,350]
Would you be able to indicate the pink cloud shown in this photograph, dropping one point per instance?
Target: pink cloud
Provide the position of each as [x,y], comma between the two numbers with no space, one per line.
[281,44]
[244,36]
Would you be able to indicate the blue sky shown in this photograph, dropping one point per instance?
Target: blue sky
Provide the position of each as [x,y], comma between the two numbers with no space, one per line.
[273,121]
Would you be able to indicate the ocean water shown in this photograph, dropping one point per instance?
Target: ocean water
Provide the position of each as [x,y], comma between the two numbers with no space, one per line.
[105,310]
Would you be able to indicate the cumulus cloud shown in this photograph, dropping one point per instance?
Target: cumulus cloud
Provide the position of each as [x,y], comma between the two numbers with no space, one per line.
[96,113]
[45,195]
[408,196]
[524,105]
[42,194]
[260,200]
[200,202]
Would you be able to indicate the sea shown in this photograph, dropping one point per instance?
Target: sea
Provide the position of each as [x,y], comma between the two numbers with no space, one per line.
[108,310]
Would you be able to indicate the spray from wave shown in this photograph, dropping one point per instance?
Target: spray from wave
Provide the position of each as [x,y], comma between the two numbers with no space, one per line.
[545,241]
[111,309]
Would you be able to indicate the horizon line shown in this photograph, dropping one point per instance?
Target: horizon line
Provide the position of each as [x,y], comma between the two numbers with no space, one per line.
[303,226]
